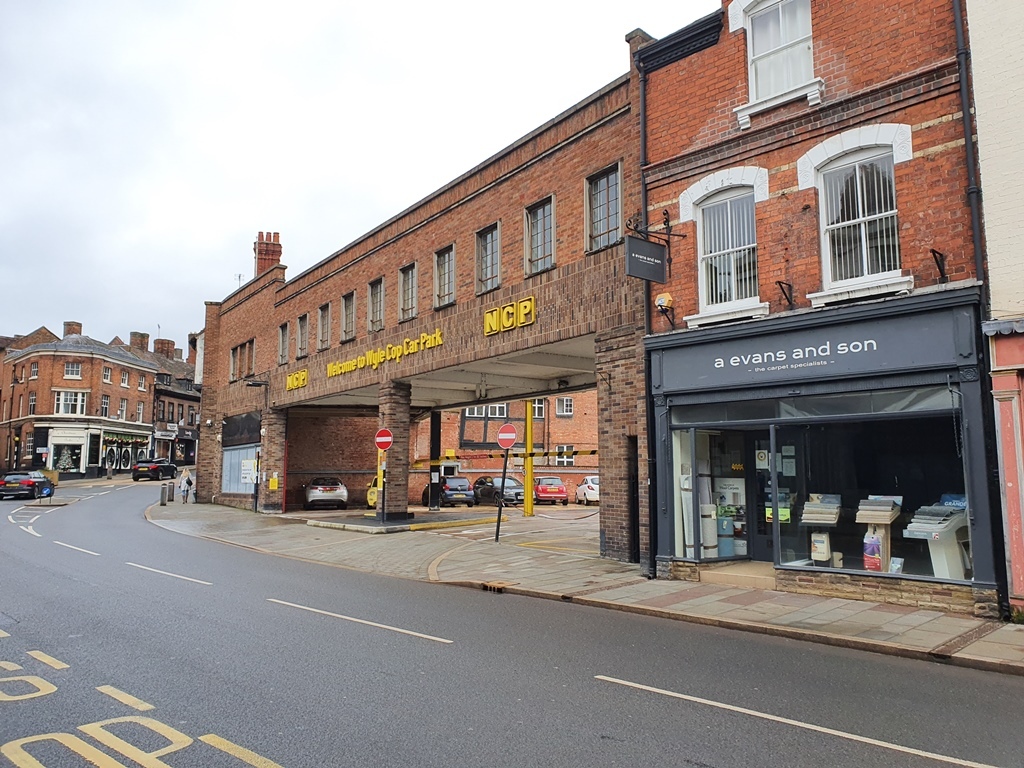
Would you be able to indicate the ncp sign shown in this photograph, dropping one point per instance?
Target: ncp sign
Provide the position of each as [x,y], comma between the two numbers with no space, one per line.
[510,316]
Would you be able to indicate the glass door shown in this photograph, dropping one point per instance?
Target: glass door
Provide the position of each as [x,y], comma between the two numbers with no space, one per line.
[759,495]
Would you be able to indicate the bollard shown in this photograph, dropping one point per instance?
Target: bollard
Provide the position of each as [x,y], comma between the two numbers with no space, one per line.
[110,473]
[163,494]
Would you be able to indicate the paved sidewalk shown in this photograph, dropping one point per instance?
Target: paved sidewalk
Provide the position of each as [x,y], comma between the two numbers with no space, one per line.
[458,547]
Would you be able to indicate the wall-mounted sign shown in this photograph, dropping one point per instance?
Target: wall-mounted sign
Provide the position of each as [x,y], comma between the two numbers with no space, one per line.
[297,380]
[645,259]
[372,358]
[510,316]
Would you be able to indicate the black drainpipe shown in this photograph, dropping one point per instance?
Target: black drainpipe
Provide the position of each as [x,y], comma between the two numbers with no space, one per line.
[651,570]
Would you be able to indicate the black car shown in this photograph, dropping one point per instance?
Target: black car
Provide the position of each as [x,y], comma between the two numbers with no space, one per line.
[486,490]
[29,485]
[154,469]
[454,490]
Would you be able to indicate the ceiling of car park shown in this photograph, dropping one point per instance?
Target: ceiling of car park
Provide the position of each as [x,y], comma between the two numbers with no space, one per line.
[559,367]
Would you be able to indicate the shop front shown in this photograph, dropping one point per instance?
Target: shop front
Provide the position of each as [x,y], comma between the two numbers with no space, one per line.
[845,447]
[122,449]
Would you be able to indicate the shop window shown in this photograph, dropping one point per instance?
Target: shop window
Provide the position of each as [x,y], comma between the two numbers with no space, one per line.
[780,56]
[323,327]
[488,259]
[855,177]
[540,243]
[444,277]
[603,209]
[375,317]
[67,458]
[348,316]
[564,456]
[407,279]
[72,370]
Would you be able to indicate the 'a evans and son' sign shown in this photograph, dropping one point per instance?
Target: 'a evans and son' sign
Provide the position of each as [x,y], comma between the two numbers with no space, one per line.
[902,343]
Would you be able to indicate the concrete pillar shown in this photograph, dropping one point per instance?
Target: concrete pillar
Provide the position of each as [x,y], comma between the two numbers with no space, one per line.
[393,403]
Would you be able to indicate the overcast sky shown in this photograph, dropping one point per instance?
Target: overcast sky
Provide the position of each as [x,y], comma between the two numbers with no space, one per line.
[144,145]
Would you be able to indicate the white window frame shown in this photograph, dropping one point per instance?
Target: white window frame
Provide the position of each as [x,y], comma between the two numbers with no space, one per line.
[563,406]
[33,370]
[613,233]
[444,277]
[407,292]
[375,307]
[302,336]
[31,403]
[105,406]
[72,370]
[475,411]
[323,327]
[710,190]
[741,13]
[124,379]
[533,264]
[140,409]
[142,382]
[108,373]
[850,146]
[565,461]
[69,402]
[348,316]
[539,406]
[282,343]
[488,264]
[497,411]
[122,411]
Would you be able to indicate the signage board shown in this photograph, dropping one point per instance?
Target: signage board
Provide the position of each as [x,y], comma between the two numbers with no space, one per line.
[645,259]
[507,436]
[383,439]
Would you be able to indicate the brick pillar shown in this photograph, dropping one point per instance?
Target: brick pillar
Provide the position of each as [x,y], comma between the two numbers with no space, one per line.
[272,447]
[393,402]
[209,456]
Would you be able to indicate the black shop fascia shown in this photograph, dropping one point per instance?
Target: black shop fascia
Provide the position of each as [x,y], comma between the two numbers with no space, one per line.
[842,439]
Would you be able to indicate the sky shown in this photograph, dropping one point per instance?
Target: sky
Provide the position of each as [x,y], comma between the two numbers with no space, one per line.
[143,145]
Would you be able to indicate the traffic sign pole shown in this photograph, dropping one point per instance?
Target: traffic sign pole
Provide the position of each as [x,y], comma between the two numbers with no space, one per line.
[383,440]
[507,436]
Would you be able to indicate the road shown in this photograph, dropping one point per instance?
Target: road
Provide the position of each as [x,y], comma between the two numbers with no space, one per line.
[128,644]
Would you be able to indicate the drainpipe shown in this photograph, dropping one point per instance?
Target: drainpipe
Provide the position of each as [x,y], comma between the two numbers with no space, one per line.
[651,571]
[973,190]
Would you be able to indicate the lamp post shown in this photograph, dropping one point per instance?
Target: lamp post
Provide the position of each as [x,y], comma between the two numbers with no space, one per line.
[266,405]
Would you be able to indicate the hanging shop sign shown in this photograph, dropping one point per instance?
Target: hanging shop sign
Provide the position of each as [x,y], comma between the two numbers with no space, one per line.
[645,259]
[297,380]
[373,358]
[911,342]
[508,317]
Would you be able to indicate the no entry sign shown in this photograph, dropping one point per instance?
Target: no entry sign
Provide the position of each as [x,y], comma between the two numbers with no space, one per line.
[383,439]
[507,436]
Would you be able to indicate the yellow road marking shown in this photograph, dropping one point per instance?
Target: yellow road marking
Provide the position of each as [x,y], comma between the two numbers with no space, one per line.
[546,545]
[48,660]
[243,754]
[10,666]
[798,724]
[3,634]
[360,621]
[125,698]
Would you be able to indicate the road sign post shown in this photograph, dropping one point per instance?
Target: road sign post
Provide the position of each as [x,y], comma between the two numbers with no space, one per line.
[383,440]
[507,437]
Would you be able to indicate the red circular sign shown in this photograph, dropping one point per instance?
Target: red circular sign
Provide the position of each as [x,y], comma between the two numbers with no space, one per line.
[507,436]
[383,439]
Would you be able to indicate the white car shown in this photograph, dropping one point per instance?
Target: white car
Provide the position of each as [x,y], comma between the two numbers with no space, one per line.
[587,491]
[326,492]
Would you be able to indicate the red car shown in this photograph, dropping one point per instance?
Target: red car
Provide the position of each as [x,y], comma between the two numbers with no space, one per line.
[550,489]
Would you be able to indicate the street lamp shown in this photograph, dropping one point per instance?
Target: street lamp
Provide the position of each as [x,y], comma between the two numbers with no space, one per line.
[266,406]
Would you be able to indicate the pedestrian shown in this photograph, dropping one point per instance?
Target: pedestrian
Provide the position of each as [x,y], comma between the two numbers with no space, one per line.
[185,485]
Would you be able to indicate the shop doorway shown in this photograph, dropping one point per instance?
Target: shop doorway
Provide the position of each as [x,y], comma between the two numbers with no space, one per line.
[761,542]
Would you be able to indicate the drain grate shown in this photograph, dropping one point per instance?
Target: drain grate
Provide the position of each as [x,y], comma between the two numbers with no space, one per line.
[497,586]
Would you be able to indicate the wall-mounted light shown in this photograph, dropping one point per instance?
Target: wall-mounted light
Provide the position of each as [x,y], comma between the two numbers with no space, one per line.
[663,303]
[940,263]
[209,422]
[787,292]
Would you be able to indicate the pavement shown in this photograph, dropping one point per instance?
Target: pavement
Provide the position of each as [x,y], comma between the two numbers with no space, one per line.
[554,555]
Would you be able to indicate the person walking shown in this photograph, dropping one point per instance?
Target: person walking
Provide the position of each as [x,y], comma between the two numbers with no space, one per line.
[185,485]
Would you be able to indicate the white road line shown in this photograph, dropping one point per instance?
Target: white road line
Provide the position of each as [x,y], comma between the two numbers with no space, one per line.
[361,621]
[77,549]
[11,519]
[33,519]
[102,493]
[166,573]
[28,529]
[798,724]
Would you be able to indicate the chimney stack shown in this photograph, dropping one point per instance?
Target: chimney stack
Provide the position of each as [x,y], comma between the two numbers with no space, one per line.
[72,327]
[138,340]
[164,348]
[268,251]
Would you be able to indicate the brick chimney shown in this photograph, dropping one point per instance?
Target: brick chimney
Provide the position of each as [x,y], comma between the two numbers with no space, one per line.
[268,251]
[164,348]
[72,327]
[138,340]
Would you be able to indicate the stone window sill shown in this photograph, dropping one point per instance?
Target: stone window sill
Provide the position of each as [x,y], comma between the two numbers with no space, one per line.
[725,314]
[811,91]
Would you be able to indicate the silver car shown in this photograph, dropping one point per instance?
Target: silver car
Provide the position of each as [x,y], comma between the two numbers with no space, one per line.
[326,492]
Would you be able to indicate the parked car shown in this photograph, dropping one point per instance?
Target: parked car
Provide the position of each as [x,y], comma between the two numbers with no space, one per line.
[454,490]
[154,469]
[550,489]
[487,488]
[30,485]
[587,491]
[326,492]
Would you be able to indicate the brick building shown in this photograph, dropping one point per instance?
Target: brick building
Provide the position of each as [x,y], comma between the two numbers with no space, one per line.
[504,286]
[818,352]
